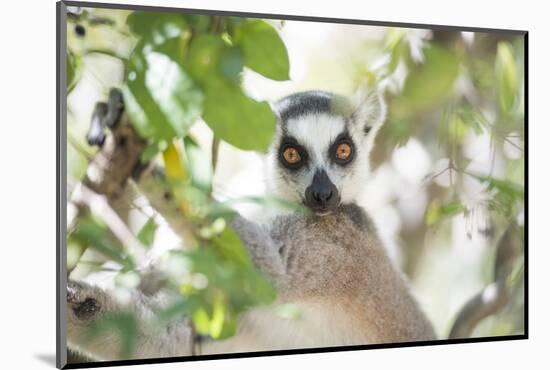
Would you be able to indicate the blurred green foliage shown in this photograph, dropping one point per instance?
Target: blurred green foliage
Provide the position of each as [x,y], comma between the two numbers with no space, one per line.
[182,68]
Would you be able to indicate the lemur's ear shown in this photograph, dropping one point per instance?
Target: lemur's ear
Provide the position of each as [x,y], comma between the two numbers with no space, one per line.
[276,109]
[369,109]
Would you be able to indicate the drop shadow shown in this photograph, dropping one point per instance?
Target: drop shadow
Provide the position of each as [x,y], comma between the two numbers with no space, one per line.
[47,358]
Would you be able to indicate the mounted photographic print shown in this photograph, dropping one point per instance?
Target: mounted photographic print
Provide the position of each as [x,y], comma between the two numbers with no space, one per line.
[234,184]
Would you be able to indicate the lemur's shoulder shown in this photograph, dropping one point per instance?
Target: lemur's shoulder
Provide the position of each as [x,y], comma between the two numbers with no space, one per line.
[357,215]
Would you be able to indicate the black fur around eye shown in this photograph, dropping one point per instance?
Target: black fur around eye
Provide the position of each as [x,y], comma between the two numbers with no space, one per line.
[342,151]
[292,155]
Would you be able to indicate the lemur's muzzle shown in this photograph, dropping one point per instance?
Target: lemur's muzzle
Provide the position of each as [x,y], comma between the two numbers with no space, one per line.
[322,195]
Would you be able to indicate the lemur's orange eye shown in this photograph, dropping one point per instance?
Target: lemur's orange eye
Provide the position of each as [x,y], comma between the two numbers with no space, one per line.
[343,151]
[291,155]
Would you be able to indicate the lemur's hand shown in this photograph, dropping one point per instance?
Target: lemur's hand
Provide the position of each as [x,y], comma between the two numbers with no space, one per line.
[265,251]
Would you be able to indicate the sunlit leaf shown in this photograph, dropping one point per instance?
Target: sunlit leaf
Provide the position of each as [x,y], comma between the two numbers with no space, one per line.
[201,321]
[220,325]
[506,72]
[147,233]
[160,97]
[237,119]
[263,49]
[166,33]
[74,251]
[174,165]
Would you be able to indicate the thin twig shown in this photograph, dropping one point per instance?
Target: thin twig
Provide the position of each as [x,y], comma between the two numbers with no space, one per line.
[513,144]
[215,151]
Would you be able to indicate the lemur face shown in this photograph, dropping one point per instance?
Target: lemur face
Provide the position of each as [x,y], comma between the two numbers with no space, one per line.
[320,152]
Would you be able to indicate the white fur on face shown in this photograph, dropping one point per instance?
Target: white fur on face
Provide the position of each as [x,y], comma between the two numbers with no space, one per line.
[316,133]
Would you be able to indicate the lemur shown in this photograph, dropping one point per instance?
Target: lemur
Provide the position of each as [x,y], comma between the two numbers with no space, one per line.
[330,263]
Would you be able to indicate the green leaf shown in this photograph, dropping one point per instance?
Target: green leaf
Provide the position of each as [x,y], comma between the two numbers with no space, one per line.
[221,324]
[232,63]
[507,77]
[432,81]
[237,119]
[198,164]
[181,307]
[201,321]
[147,233]
[210,58]
[474,119]
[157,27]
[453,130]
[203,58]
[199,23]
[231,248]
[505,194]
[166,33]
[152,150]
[263,49]
[233,23]
[503,186]
[160,97]
[74,70]
[437,212]
[90,231]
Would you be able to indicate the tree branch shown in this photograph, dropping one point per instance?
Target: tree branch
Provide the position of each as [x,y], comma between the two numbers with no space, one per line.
[104,189]
[494,296]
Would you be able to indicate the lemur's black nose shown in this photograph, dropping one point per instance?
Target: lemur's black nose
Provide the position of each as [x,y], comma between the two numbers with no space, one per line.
[321,195]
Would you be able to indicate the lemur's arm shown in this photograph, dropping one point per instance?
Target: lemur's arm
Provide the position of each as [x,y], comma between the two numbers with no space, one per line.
[87,305]
[263,249]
